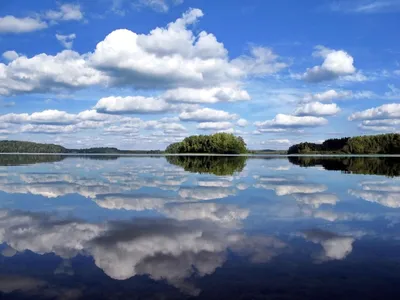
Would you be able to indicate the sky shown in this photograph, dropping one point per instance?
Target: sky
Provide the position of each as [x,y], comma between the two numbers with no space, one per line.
[141,74]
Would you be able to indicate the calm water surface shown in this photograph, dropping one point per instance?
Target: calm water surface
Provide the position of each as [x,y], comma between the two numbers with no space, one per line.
[199,228]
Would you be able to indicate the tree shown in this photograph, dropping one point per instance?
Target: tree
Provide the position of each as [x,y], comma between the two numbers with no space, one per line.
[219,143]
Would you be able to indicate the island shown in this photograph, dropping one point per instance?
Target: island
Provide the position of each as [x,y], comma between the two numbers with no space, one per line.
[219,143]
[373,144]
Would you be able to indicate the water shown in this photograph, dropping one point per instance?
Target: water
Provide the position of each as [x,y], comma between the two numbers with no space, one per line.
[199,227]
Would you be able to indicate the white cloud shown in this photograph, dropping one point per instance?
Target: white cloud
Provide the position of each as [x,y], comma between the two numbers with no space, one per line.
[66,40]
[48,129]
[207,115]
[193,68]
[211,95]
[262,61]
[44,73]
[378,128]
[165,58]
[277,141]
[327,96]
[66,12]
[317,109]
[366,6]
[10,55]
[288,121]
[386,111]
[336,63]
[242,123]
[131,105]
[11,24]
[214,125]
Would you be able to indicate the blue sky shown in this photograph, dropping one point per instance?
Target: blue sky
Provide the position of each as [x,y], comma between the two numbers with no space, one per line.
[142,74]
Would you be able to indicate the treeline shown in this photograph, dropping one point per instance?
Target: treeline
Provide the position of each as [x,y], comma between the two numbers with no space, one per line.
[219,143]
[30,147]
[373,144]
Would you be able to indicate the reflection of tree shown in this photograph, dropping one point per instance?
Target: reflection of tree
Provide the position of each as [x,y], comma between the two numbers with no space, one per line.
[16,160]
[216,165]
[389,166]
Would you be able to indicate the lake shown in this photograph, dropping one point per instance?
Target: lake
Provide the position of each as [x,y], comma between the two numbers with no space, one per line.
[108,227]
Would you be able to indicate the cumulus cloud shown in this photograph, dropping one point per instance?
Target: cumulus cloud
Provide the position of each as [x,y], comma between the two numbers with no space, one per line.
[327,96]
[242,123]
[11,24]
[336,63]
[167,57]
[207,115]
[386,111]
[289,121]
[10,55]
[66,40]
[66,12]
[45,73]
[262,61]
[317,109]
[194,68]
[214,125]
[211,95]
[131,105]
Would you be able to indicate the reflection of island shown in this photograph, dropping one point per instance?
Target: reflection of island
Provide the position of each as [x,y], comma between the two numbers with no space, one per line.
[217,165]
[389,166]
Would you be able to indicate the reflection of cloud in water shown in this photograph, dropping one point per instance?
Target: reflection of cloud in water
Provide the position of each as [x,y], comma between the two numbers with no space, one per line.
[10,283]
[386,193]
[335,247]
[214,183]
[293,188]
[224,214]
[317,199]
[64,268]
[205,193]
[164,249]
[131,202]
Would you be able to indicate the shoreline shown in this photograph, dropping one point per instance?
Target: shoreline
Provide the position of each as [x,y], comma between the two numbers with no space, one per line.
[205,154]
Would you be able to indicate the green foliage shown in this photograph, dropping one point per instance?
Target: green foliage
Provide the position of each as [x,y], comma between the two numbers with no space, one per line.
[29,147]
[219,143]
[388,166]
[217,165]
[373,144]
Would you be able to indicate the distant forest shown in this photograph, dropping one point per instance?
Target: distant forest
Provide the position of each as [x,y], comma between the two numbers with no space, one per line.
[373,144]
[30,147]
